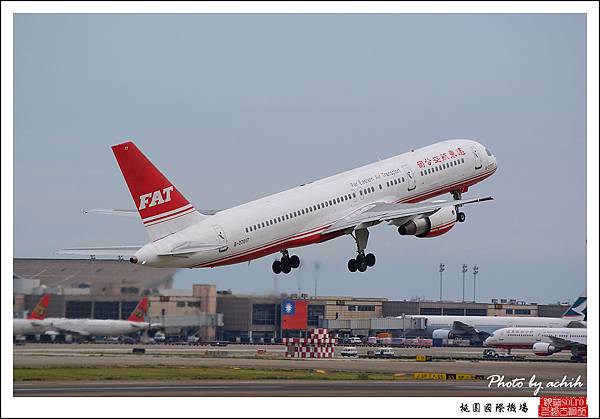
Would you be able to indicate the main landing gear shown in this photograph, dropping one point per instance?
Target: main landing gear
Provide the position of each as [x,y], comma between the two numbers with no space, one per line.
[457,195]
[286,264]
[362,261]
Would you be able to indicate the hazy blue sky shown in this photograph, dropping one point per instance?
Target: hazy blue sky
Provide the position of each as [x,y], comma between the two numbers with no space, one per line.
[235,107]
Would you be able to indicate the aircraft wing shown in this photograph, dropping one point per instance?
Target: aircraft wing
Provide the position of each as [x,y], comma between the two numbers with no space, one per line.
[134,213]
[71,330]
[376,213]
[460,328]
[101,251]
[576,324]
[565,343]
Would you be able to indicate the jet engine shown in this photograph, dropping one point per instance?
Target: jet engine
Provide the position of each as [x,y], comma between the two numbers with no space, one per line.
[543,349]
[442,334]
[436,224]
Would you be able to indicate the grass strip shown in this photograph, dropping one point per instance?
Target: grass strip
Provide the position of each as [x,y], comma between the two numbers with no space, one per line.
[183,373]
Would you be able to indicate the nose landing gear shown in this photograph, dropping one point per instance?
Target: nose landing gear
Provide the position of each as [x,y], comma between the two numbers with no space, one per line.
[286,264]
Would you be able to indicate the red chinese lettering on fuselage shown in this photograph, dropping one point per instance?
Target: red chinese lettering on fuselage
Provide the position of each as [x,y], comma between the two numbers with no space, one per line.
[440,158]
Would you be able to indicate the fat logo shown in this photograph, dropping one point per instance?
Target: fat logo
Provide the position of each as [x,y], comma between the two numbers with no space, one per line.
[155,198]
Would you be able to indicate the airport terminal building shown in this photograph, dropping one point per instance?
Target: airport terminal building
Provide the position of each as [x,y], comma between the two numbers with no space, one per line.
[110,289]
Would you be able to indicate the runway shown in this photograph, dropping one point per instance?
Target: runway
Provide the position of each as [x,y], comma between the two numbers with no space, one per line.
[275,388]
[244,357]
[445,360]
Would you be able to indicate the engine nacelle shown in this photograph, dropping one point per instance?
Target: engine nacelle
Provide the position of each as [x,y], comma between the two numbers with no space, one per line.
[442,334]
[543,349]
[434,225]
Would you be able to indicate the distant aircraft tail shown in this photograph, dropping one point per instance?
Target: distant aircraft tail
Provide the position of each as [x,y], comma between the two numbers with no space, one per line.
[39,312]
[139,314]
[578,310]
[163,209]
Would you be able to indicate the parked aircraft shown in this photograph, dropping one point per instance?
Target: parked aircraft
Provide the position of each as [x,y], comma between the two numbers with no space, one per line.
[478,328]
[36,322]
[542,341]
[105,327]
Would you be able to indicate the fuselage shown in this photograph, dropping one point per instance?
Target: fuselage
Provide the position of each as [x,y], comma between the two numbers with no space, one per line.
[489,324]
[30,326]
[525,338]
[298,216]
[99,327]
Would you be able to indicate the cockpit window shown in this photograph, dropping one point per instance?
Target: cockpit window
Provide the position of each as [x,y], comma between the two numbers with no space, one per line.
[488,152]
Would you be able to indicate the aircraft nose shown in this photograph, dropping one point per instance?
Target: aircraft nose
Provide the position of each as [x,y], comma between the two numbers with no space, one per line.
[487,342]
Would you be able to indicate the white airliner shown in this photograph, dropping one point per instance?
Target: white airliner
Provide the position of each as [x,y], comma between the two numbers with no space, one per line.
[36,322]
[388,191]
[542,341]
[478,328]
[105,327]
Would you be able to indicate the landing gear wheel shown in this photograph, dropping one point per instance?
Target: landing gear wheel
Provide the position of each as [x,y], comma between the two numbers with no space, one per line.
[277,267]
[352,265]
[370,259]
[361,261]
[285,266]
[461,217]
[294,261]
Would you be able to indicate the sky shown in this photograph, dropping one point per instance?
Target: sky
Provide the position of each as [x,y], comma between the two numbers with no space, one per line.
[235,107]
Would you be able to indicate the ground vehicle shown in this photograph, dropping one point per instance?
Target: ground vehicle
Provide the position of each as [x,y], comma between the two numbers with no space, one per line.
[159,337]
[384,353]
[218,343]
[492,354]
[193,339]
[354,340]
[349,351]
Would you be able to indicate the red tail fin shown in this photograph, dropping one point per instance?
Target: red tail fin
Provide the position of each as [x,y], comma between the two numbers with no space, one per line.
[163,209]
[140,311]
[39,312]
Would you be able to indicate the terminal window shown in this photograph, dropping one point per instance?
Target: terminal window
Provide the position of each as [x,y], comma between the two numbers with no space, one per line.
[263,314]
[314,314]
[127,308]
[476,312]
[106,310]
[431,311]
[454,312]
[78,309]
[522,311]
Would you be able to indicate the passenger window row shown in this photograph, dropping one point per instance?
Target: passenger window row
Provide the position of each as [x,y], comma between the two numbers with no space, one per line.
[368,190]
[396,181]
[443,166]
[303,211]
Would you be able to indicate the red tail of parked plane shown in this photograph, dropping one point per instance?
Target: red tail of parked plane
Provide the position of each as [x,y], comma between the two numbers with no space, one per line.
[140,311]
[41,309]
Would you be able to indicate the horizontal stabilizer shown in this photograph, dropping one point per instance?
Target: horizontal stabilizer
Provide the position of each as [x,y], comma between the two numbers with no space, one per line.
[101,251]
[119,212]
[133,213]
[191,247]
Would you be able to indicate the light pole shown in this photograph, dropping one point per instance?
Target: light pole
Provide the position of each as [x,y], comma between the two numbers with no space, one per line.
[317,266]
[442,268]
[464,271]
[475,272]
